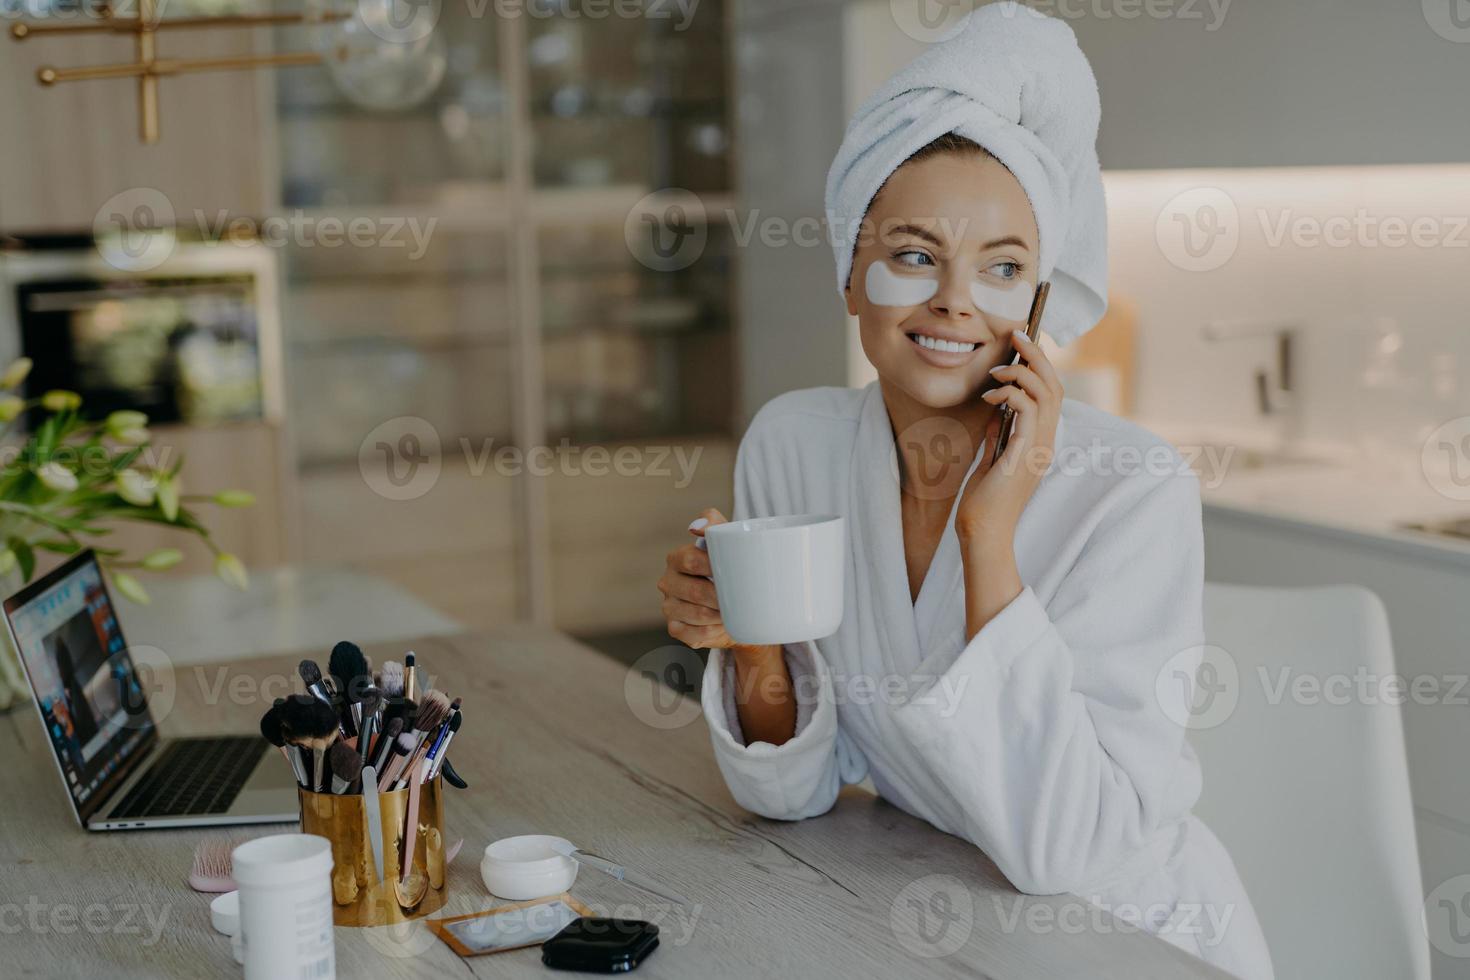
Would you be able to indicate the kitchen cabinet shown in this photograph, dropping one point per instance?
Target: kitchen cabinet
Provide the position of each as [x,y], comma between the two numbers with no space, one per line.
[1429,620]
[527,322]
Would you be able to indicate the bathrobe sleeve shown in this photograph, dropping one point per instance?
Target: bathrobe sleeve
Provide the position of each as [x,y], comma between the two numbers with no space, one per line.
[800,778]
[1056,735]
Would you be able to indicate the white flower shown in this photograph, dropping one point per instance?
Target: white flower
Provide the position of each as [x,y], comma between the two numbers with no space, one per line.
[127,426]
[125,419]
[57,477]
[59,400]
[130,588]
[229,569]
[19,370]
[136,488]
[168,496]
[132,437]
[162,558]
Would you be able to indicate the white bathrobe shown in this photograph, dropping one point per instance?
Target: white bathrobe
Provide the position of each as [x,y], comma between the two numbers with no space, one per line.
[1047,740]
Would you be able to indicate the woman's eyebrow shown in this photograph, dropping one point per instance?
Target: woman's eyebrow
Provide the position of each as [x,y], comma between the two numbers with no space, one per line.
[1008,240]
[917,232]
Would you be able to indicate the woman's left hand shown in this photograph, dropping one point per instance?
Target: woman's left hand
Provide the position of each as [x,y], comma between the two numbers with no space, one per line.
[993,499]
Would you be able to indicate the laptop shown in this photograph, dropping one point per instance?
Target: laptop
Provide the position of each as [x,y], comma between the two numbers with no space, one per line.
[120,774]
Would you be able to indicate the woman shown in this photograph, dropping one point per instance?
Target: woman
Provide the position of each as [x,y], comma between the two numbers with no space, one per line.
[1005,666]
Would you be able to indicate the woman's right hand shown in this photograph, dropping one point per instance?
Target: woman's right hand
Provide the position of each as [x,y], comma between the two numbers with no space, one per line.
[690,605]
[763,695]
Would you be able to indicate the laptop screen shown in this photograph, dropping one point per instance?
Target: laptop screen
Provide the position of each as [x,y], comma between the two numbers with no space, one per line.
[91,700]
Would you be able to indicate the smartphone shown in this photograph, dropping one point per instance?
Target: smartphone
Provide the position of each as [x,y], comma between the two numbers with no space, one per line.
[1033,331]
[598,945]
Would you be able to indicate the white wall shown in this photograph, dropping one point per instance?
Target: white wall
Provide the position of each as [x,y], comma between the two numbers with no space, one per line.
[1330,248]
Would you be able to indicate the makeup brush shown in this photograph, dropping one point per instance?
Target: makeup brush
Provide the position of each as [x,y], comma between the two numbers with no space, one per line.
[392,728]
[311,676]
[271,728]
[347,663]
[350,671]
[298,755]
[401,708]
[432,713]
[346,766]
[441,745]
[410,676]
[390,679]
[311,723]
[371,702]
[398,753]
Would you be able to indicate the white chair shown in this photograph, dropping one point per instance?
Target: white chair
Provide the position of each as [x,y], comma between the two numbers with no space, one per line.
[1311,793]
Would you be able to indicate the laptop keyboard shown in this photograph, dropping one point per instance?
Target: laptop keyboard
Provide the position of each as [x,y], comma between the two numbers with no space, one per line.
[193,776]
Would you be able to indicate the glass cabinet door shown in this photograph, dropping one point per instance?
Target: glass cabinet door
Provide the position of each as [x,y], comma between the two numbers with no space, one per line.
[630,100]
[339,145]
[400,352]
[636,362]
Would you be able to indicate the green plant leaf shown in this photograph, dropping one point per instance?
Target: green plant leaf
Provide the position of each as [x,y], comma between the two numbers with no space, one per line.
[123,460]
[130,588]
[24,556]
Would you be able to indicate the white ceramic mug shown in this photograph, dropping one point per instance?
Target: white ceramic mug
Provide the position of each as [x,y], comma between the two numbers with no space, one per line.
[779,579]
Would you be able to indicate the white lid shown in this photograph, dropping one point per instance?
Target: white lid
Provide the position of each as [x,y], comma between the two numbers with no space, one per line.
[281,860]
[224,913]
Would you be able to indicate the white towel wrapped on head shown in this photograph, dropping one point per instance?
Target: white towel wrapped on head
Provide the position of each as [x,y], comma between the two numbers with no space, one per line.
[1014,81]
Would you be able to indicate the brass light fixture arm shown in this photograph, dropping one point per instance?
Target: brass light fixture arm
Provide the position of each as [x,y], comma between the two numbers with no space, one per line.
[148,67]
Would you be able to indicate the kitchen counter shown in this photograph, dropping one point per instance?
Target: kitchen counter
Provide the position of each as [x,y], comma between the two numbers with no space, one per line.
[1324,488]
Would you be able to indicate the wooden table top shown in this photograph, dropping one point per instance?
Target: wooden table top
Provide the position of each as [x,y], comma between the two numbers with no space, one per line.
[553,742]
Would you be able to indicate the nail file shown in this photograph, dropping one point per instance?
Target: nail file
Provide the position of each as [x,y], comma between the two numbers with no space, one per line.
[374,818]
[411,825]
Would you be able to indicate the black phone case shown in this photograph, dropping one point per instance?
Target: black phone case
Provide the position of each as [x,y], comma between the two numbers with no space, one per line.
[596,945]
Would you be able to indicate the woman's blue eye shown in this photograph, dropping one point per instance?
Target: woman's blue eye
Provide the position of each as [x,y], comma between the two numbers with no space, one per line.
[1005,270]
[913,258]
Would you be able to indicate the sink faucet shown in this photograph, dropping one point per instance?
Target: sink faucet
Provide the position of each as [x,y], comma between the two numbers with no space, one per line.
[1276,394]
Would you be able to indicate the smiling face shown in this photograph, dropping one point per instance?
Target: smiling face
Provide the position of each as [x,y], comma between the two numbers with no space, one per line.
[944,274]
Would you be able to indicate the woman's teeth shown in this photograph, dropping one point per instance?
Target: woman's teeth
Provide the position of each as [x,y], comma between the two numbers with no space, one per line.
[947,346]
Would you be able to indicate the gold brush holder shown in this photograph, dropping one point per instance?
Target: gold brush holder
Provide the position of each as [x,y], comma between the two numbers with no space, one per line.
[342,819]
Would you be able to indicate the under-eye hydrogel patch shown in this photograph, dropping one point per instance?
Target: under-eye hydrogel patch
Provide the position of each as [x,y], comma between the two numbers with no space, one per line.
[888,288]
[1012,302]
